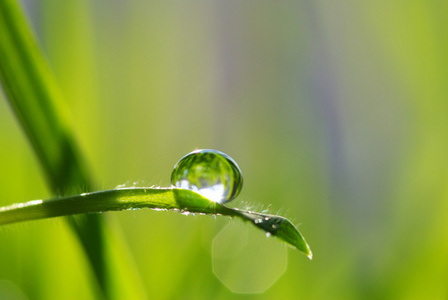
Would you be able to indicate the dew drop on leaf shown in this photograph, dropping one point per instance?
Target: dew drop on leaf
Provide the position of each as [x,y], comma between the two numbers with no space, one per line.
[211,173]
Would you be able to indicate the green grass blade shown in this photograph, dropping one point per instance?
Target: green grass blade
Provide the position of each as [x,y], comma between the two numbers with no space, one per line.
[156,198]
[35,98]
[280,227]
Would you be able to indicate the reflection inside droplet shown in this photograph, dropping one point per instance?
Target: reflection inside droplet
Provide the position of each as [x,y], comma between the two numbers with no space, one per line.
[211,173]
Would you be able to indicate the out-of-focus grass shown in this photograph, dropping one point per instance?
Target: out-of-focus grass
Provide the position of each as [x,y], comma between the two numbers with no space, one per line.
[336,109]
[37,103]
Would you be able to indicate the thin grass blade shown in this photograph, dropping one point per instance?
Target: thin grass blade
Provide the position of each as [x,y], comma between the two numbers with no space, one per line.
[35,98]
[156,198]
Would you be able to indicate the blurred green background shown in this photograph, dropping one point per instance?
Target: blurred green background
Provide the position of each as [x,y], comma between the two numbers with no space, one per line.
[337,113]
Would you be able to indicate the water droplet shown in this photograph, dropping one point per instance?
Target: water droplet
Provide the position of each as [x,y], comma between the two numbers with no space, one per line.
[159,209]
[211,173]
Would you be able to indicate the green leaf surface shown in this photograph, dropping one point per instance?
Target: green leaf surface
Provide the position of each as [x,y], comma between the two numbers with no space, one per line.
[156,198]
